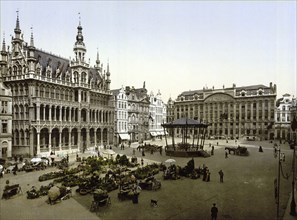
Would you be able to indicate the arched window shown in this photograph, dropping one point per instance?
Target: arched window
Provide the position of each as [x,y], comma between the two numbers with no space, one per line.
[83,77]
[15,69]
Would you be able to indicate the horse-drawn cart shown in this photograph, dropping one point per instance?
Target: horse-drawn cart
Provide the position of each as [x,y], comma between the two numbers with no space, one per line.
[241,151]
[150,183]
[10,191]
[101,198]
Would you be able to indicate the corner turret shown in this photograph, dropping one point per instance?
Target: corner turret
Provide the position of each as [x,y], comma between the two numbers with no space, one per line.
[31,57]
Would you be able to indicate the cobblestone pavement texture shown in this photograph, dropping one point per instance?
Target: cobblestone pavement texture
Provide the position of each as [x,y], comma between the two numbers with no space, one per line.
[247,191]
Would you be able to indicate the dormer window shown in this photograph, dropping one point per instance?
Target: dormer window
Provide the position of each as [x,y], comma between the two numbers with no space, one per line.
[243,93]
[260,92]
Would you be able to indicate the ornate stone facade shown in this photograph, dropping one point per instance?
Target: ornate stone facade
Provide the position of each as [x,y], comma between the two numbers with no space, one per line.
[157,115]
[5,121]
[138,113]
[283,118]
[59,105]
[231,112]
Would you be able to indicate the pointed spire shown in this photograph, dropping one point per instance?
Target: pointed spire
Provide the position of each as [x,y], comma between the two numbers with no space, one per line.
[3,44]
[17,26]
[32,39]
[79,18]
[79,36]
[97,60]
[108,66]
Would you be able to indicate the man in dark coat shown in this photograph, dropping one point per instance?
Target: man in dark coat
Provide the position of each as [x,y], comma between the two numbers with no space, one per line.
[221,176]
[214,212]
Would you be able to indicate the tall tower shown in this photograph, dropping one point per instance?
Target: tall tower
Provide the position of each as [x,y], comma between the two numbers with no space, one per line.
[17,41]
[79,46]
[3,60]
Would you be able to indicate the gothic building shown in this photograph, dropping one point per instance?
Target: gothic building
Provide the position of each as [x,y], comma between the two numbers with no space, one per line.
[59,105]
[233,112]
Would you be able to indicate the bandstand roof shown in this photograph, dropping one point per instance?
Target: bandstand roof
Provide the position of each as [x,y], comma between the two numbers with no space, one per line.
[185,122]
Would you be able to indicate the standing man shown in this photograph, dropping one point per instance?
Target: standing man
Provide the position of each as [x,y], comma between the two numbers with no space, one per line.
[226,154]
[214,212]
[221,176]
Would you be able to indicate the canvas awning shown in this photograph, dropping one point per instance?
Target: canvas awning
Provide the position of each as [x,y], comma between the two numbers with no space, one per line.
[125,136]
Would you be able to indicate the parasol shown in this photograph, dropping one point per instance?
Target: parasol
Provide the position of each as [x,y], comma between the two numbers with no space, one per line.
[170,161]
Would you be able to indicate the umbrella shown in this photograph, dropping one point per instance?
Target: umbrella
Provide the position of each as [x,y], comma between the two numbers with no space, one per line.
[170,161]
[54,193]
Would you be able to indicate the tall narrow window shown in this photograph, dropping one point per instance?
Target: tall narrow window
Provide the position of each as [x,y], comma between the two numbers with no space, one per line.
[4,126]
[4,107]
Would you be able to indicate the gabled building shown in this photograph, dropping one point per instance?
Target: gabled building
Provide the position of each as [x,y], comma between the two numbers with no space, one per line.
[138,113]
[157,115]
[121,115]
[59,105]
[283,117]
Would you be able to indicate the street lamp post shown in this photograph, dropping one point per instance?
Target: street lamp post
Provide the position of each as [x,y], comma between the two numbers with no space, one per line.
[293,204]
[281,158]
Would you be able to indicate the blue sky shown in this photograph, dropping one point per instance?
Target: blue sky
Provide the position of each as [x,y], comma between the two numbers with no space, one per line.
[174,46]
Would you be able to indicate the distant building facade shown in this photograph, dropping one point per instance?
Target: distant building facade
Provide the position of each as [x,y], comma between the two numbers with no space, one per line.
[157,115]
[283,117]
[121,115]
[138,113]
[5,121]
[230,112]
[59,105]
[170,110]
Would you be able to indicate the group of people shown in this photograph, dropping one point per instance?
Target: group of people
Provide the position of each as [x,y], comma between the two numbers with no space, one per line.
[206,174]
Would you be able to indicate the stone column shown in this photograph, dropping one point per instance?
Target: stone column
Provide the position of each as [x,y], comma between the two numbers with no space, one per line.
[252,113]
[60,140]
[60,118]
[38,143]
[43,113]
[55,113]
[69,139]
[229,119]
[69,118]
[78,140]
[50,141]
[31,149]
[108,136]
[95,137]
[101,140]
[88,138]
[234,120]
[239,121]
[50,113]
